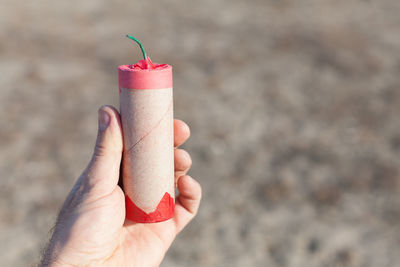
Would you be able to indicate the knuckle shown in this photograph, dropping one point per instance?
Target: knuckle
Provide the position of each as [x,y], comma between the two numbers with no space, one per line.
[100,150]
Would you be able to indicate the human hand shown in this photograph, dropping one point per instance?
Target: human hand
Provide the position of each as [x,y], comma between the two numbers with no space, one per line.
[91,229]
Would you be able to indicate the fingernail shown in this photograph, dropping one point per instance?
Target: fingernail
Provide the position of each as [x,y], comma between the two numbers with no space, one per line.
[104,119]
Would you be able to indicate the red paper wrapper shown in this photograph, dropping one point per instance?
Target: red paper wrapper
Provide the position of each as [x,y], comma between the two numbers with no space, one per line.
[146,106]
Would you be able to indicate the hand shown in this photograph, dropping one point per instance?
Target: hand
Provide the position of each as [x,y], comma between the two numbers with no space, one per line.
[91,228]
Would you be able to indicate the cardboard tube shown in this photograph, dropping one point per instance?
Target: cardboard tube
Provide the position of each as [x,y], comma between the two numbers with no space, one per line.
[146,107]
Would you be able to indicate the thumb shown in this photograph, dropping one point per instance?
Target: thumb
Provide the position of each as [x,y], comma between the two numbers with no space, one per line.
[102,173]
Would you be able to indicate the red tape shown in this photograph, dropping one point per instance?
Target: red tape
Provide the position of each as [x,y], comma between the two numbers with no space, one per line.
[163,212]
[145,75]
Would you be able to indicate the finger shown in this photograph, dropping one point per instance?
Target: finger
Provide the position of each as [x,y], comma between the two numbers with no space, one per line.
[102,172]
[181,132]
[188,201]
[183,162]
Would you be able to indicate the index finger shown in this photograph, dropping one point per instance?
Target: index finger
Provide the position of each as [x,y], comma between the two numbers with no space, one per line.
[181,132]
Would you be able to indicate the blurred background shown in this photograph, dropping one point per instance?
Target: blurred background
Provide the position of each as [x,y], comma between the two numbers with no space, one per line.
[294,108]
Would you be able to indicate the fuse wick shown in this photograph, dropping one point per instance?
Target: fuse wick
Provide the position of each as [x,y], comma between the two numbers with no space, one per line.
[140,45]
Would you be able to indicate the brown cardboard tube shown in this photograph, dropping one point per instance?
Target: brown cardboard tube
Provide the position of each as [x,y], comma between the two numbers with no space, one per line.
[146,107]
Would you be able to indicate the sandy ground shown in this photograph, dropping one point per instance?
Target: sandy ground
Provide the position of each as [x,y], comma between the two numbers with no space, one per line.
[294,108]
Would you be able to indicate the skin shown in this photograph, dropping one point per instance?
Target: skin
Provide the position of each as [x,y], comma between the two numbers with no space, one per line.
[91,229]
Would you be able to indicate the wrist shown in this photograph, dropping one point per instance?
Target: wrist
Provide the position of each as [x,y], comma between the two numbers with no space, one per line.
[53,258]
[54,263]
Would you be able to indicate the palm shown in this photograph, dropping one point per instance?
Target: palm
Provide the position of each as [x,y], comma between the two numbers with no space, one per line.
[121,241]
[131,240]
